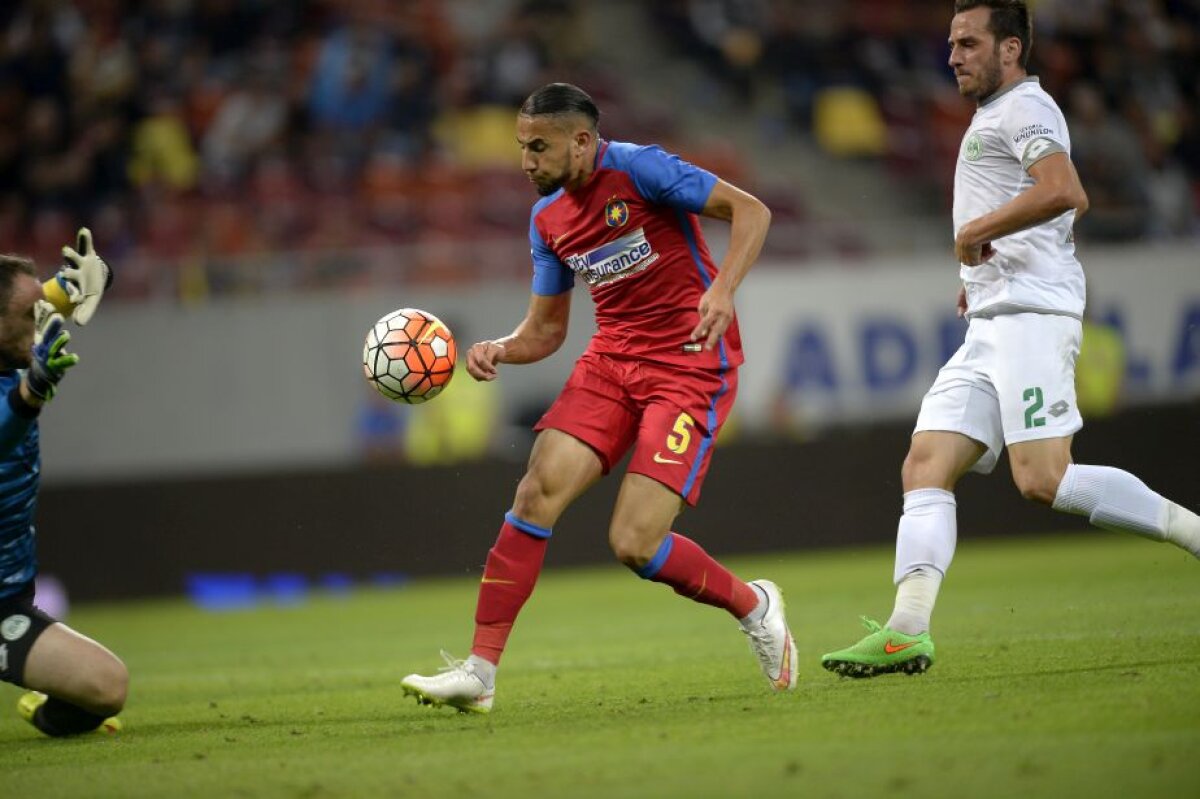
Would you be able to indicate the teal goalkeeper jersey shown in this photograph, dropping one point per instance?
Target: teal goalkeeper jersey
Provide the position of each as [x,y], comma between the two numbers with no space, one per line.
[20,467]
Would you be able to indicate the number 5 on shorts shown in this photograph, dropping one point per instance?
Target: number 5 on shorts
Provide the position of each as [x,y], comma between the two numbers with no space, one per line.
[1034,394]
[681,434]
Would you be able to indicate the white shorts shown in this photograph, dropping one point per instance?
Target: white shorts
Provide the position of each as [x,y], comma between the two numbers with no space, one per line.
[1012,380]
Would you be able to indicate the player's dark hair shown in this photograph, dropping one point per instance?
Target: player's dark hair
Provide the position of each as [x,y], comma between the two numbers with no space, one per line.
[1009,19]
[10,267]
[561,98]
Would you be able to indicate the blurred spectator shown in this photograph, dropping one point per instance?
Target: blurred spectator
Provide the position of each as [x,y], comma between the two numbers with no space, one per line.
[1110,160]
[380,427]
[1099,370]
[460,425]
[249,122]
[163,155]
[352,79]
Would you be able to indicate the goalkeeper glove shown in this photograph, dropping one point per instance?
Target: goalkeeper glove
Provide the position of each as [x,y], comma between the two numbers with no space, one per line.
[82,280]
[50,357]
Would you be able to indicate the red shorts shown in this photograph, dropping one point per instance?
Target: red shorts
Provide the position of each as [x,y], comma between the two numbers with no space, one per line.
[668,414]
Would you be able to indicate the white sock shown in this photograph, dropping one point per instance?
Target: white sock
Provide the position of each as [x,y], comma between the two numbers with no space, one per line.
[925,541]
[756,616]
[914,601]
[1183,528]
[927,532]
[1116,500]
[485,670]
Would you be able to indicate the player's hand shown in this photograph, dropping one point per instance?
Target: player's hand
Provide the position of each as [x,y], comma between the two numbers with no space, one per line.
[42,310]
[50,357]
[968,252]
[84,277]
[961,303]
[482,359]
[716,312]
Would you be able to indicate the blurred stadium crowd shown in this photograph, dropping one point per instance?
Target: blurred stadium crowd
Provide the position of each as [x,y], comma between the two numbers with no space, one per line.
[869,78]
[310,139]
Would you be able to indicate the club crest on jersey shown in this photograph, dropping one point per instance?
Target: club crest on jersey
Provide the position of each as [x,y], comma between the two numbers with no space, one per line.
[14,626]
[973,148]
[615,260]
[616,213]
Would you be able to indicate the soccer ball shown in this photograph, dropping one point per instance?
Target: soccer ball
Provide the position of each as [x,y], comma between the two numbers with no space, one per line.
[409,356]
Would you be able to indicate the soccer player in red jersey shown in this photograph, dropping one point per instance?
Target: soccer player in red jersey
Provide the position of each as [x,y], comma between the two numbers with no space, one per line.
[659,376]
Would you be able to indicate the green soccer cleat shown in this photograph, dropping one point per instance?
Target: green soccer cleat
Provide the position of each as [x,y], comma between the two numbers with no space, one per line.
[30,701]
[882,652]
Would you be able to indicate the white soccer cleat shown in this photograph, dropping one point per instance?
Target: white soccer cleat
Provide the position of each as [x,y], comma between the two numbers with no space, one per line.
[772,642]
[457,686]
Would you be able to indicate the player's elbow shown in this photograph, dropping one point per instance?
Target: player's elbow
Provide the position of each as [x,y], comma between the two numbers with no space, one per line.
[760,211]
[551,337]
[1081,203]
[557,341]
[1072,197]
[1068,197]
[743,208]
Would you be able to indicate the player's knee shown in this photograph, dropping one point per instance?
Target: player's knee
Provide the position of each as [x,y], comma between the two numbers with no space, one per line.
[629,548]
[1037,479]
[1036,485]
[918,469]
[532,502]
[108,687]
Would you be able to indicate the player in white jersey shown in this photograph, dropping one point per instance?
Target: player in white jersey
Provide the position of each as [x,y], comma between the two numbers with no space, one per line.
[1016,197]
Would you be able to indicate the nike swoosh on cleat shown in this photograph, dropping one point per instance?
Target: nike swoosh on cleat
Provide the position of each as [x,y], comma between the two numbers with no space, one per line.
[892,649]
[497,581]
[658,458]
[784,679]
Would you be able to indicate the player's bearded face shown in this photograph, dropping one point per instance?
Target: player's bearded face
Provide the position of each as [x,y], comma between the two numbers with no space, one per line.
[975,55]
[986,79]
[546,152]
[550,178]
[12,355]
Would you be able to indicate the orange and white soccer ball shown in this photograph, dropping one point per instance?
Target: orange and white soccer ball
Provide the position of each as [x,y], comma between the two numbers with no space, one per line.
[409,356]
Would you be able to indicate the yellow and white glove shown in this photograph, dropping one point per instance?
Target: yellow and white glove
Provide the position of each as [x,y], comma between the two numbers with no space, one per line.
[81,281]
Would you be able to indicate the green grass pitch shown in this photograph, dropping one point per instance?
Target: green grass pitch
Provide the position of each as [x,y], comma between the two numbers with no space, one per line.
[1067,666]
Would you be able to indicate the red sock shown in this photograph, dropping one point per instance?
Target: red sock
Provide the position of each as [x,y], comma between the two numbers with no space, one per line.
[691,572]
[512,569]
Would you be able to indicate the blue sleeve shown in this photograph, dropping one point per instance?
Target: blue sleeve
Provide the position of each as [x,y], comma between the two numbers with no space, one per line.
[15,417]
[667,179]
[550,275]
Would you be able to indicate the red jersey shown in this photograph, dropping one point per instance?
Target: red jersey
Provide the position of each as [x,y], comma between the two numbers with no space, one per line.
[632,235]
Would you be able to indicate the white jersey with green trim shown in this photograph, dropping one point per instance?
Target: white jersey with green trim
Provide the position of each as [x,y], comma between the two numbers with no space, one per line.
[1033,270]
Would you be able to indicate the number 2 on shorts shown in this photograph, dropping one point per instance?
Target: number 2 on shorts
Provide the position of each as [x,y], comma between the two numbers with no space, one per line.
[1034,394]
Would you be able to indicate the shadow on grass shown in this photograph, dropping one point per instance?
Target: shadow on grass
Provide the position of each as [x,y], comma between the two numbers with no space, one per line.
[1140,664]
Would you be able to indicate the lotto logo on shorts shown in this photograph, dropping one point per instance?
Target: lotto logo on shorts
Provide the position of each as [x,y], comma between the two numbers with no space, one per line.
[14,627]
